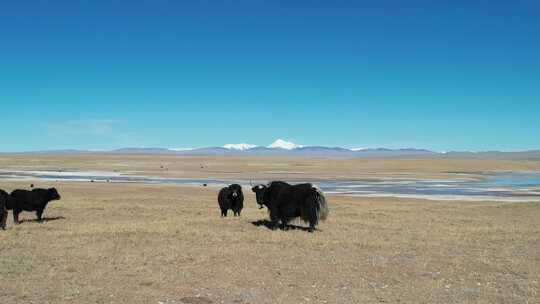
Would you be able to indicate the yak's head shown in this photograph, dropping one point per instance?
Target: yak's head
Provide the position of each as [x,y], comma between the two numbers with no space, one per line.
[260,193]
[236,190]
[53,194]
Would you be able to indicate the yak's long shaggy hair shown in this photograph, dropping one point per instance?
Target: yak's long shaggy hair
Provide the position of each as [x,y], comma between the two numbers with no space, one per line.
[286,202]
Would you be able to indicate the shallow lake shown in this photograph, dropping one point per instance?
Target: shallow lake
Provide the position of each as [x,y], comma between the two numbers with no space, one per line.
[509,186]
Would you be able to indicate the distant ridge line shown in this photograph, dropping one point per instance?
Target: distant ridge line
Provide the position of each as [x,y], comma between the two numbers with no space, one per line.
[304,151]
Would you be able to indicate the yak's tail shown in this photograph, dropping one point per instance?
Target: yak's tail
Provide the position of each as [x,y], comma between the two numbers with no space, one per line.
[322,206]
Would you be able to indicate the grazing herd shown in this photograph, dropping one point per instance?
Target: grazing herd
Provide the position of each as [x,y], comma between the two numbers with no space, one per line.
[284,202]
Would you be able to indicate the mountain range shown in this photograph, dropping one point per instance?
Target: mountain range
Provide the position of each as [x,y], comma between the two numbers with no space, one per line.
[285,148]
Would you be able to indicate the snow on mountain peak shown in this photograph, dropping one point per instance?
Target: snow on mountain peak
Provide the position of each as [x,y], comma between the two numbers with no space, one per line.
[282,144]
[241,147]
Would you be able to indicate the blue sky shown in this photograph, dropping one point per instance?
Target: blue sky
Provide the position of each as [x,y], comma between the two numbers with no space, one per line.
[442,75]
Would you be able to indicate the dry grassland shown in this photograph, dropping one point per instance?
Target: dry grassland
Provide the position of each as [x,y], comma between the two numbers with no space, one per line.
[128,243]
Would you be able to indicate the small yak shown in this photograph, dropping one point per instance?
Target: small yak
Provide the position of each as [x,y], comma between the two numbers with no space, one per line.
[231,197]
[34,200]
[286,202]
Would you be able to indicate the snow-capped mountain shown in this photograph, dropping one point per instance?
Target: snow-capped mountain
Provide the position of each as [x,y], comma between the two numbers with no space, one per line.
[240,147]
[282,144]
[281,147]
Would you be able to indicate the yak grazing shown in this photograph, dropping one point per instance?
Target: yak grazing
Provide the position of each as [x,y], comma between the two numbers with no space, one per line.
[34,200]
[286,202]
[5,199]
[231,197]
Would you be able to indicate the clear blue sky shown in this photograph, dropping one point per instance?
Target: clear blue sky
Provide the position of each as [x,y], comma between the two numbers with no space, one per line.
[442,75]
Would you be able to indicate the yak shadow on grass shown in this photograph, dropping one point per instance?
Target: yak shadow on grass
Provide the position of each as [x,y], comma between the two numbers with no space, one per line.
[268,224]
[44,219]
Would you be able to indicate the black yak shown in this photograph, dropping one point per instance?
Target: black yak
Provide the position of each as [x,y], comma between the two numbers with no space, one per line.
[5,199]
[34,200]
[231,197]
[286,202]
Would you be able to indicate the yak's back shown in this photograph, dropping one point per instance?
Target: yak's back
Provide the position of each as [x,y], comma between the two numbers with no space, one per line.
[274,190]
[35,197]
[285,193]
[20,193]
[23,194]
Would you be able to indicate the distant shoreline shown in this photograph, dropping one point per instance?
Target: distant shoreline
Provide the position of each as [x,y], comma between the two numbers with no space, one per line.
[501,187]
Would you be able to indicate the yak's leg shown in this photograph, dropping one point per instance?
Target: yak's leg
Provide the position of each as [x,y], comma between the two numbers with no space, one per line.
[274,218]
[309,211]
[312,218]
[16,216]
[224,212]
[39,213]
[284,223]
[311,227]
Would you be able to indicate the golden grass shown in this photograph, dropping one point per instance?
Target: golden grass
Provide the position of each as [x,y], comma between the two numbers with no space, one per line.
[127,243]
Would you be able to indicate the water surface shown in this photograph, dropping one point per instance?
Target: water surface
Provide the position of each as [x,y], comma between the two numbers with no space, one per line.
[508,186]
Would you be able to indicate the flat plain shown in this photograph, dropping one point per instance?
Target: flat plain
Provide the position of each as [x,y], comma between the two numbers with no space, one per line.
[140,243]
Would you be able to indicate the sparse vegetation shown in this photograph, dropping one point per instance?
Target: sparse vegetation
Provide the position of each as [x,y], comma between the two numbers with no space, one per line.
[127,243]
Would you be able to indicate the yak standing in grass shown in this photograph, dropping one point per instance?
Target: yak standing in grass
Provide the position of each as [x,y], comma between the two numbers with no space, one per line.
[34,200]
[286,202]
[5,199]
[231,197]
